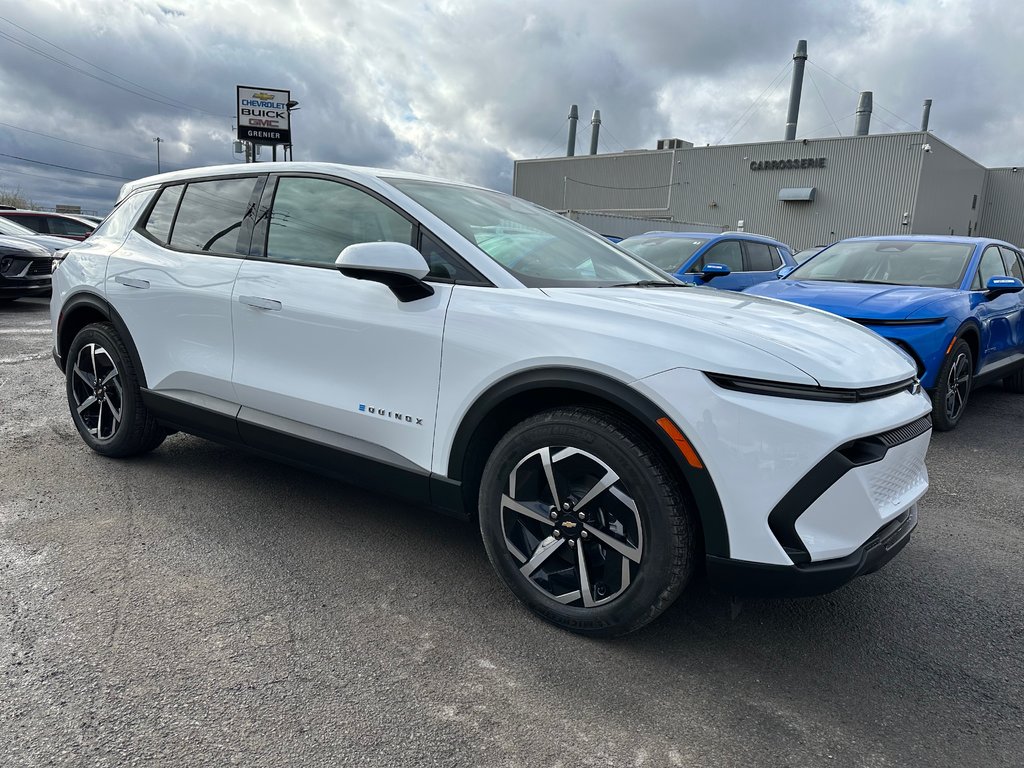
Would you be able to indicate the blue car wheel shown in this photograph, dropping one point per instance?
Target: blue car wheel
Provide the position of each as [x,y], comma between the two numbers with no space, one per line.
[952,387]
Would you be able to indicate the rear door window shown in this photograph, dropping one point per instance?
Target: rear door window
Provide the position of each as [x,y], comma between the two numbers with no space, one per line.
[211,215]
[759,257]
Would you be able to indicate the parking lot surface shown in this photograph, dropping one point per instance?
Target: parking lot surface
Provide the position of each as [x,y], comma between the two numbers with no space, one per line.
[204,607]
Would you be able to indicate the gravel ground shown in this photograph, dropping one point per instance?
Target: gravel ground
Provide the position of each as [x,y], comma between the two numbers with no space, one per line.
[202,607]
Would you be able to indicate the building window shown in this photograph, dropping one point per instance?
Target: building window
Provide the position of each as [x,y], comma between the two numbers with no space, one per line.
[974,203]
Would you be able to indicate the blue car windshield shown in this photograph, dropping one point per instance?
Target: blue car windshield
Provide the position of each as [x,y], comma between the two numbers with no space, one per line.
[668,253]
[889,262]
[541,248]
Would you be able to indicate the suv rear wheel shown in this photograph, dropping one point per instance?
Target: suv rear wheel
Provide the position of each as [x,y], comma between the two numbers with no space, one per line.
[583,522]
[104,397]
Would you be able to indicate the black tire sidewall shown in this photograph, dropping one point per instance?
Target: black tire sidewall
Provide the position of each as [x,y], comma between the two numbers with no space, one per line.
[123,442]
[939,419]
[654,576]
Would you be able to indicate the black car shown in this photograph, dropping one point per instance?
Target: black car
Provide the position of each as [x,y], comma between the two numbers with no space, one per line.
[24,269]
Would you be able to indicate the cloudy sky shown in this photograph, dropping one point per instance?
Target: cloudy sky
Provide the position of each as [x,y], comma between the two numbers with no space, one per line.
[461,88]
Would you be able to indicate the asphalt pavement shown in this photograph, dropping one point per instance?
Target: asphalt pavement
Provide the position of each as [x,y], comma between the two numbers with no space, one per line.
[204,607]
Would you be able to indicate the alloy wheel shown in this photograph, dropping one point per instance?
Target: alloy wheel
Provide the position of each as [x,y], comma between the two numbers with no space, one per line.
[958,385]
[572,525]
[97,391]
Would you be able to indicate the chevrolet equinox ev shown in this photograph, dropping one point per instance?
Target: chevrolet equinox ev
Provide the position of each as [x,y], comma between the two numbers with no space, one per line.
[611,429]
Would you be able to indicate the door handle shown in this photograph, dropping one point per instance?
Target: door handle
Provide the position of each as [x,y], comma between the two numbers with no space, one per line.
[258,303]
[132,282]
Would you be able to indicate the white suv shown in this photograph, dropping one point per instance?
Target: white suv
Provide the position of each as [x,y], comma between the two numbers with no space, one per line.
[612,429]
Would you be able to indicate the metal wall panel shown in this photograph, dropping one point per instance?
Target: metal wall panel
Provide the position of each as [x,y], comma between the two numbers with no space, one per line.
[626,226]
[950,199]
[1003,210]
[867,185]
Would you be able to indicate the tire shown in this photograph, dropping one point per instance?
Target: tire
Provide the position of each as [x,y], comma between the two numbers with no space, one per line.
[104,398]
[1015,382]
[636,537]
[953,387]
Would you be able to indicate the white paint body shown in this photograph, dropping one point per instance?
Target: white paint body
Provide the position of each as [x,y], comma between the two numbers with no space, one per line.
[336,343]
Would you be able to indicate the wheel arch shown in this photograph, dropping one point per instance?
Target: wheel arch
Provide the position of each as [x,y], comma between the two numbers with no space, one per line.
[971,333]
[521,395]
[85,308]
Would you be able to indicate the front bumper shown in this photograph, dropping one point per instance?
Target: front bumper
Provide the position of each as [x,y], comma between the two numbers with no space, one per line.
[747,579]
[22,276]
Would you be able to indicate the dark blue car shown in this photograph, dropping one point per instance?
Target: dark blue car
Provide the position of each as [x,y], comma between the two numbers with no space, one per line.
[747,258]
[954,304]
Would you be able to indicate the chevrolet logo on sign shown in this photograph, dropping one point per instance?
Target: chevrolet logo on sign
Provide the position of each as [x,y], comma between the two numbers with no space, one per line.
[263,96]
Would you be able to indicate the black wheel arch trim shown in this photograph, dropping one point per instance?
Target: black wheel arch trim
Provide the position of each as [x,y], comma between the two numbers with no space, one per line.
[101,305]
[618,394]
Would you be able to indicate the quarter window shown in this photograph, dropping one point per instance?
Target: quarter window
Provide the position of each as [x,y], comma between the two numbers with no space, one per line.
[211,214]
[443,264]
[159,223]
[314,220]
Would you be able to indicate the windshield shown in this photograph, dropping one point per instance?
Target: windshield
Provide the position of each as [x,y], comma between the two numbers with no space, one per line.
[541,248]
[668,253]
[8,227]
[889,262]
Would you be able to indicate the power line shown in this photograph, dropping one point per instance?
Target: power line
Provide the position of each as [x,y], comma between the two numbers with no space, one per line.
[65,167]
[165,101]
[78,143]
[825,104]
[772,85]
[41,176]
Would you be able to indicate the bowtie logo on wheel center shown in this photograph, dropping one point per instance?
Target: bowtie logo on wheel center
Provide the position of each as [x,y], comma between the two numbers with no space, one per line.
[568,524]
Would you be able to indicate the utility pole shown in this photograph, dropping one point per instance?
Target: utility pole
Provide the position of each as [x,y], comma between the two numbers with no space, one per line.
[158,141]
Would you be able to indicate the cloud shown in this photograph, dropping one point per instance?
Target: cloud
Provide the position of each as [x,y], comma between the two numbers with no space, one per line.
[461,88]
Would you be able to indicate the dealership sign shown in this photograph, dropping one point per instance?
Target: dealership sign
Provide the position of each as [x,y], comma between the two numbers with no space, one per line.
[263,115]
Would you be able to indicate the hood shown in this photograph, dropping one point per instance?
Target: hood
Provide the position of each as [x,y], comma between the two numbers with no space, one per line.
[830,350]
[21,246]
[860,300]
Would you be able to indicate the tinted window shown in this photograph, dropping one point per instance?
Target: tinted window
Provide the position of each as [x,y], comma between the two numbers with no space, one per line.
[1011,260]
[777,260]
[669,253]
[759,257]
[34,223]
[160,218]
[726,252]
[313,220]
[991,265]
[210,215]
[59,226]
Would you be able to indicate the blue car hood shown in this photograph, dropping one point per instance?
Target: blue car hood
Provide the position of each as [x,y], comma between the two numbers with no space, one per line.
[855,300]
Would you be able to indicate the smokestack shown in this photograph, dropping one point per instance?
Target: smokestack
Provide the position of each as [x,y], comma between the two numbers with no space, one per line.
[926,114]
[799,59]
[863,114]
[595,128]
[574,117]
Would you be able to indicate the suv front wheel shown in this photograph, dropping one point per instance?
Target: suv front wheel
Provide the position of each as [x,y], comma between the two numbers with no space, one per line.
[583,522]
[104,396]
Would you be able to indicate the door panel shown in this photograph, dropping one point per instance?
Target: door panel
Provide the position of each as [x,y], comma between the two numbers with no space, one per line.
[340,354]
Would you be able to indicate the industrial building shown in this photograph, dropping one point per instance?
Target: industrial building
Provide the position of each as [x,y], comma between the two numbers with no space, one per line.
[802,191]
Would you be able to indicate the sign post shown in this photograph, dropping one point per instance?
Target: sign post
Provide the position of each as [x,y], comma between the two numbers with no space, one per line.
[263,116]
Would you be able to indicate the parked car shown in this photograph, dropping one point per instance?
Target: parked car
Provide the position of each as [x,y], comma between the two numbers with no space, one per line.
[51,244]
[954,304]
[462,348]
[748,258]
[24,269]
[49,223]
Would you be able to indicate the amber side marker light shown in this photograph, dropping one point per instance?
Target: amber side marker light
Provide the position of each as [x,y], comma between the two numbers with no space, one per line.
[681,442]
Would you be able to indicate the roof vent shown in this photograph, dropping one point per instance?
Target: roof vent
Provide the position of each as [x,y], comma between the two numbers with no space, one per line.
[674,144]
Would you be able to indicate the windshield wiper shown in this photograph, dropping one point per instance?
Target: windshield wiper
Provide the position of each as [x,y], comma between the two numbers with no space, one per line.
[868,282]
[649,284]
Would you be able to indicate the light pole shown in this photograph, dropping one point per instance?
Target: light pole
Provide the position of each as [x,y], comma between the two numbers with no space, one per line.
[291,106]
[158,141]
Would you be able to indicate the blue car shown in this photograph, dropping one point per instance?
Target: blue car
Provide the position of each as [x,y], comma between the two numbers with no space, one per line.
[954,304]
[734,260]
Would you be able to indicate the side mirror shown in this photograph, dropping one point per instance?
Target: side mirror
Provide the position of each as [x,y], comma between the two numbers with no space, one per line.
[784,270]
[397,265]
[1000,284]
[712,271]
